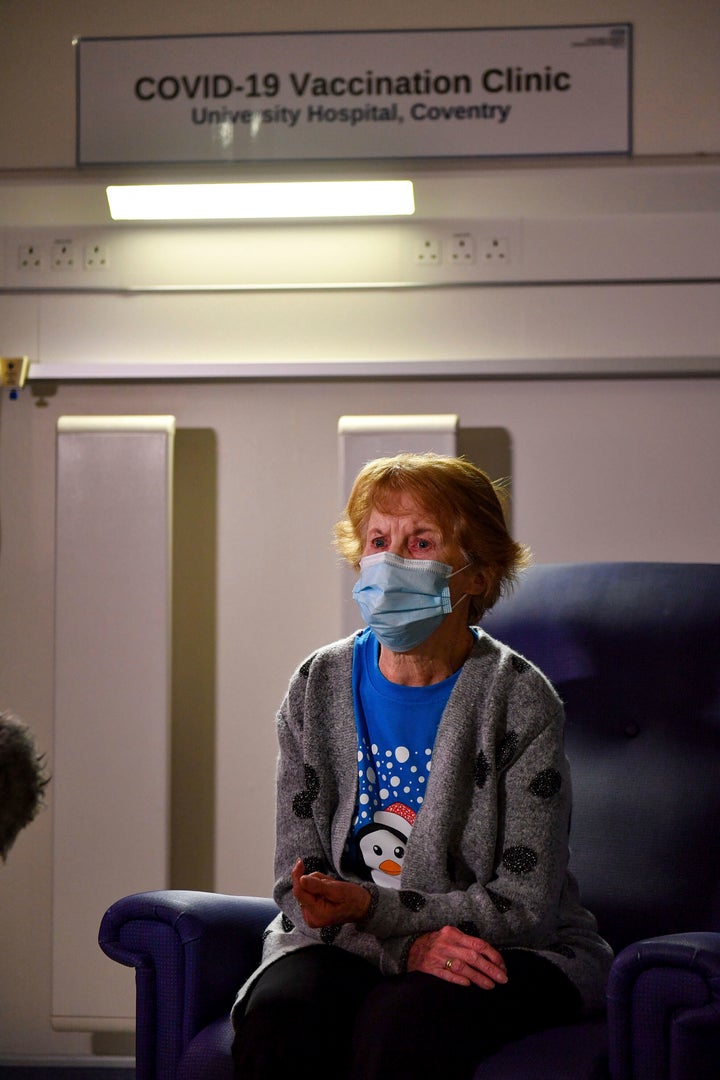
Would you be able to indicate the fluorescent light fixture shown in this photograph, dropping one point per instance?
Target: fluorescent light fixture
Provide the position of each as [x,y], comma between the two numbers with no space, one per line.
[306,199]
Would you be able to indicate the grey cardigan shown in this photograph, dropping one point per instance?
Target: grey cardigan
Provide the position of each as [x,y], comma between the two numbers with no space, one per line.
[488,852]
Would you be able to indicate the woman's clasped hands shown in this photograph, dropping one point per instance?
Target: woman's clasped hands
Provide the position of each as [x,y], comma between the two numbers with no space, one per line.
[457,957]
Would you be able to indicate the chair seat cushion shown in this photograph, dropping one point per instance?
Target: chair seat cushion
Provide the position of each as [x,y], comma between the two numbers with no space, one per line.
[571,1052]
[208,1057]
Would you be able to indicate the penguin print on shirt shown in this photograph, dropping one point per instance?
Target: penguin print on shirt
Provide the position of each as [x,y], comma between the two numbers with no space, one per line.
[382,844]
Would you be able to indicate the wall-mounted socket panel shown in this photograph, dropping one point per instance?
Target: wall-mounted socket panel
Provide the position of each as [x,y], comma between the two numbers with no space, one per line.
[428,249]
[630,246]
[63,255]
[460,249]
[31,257]
[495,249]
[96,257]
[464,251]
[432,252]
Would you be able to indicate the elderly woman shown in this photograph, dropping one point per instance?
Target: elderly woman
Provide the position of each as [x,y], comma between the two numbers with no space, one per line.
[427,915]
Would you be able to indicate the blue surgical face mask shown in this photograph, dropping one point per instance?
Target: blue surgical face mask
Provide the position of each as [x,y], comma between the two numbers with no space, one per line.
[403,600]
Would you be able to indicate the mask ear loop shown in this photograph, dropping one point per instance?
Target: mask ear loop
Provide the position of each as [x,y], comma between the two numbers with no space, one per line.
[464,595]
[465,567]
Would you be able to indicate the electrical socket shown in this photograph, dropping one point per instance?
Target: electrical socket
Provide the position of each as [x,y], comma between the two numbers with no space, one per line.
[31,257]
[460,249]
[427,251]
[96,257]
[63,255]
[13,370]
[495,249]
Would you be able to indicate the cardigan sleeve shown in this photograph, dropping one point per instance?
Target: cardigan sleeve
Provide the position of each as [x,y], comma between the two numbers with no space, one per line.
[316,775]
[297,789]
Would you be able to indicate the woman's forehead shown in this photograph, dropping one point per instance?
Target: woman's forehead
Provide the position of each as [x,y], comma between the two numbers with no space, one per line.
[414,515]
[397,504]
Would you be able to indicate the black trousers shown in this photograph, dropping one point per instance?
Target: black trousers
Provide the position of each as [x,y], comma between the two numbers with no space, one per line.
[324,1007]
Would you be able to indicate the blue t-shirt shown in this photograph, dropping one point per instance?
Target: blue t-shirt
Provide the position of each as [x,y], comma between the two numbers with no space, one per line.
[396,728]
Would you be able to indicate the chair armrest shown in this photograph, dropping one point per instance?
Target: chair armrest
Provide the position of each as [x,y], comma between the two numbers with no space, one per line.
[191,952]
[664,1009]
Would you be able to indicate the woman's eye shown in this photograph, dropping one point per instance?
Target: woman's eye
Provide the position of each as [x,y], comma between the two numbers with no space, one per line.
[377,542]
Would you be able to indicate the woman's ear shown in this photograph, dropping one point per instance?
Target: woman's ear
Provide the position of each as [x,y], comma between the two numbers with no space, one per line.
[477,583]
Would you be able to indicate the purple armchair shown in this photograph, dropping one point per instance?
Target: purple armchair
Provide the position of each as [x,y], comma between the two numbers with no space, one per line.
[634,651]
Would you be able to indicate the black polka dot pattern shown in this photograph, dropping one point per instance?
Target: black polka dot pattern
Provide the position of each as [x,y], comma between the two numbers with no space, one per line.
[501,902]
[304,669]
[314,864]
[470,928]
[287,924]
[413,901]
[329,933]
[546,784]
[519,664]
[302,803]
[482,770]
[519,860]
[507,749]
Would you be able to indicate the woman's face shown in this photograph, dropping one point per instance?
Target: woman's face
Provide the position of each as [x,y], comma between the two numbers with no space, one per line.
[403,527]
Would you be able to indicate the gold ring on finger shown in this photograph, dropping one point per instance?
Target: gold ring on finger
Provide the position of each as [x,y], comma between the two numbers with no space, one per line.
[448,965]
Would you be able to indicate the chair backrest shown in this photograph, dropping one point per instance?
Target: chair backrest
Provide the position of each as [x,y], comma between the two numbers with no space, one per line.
[633,649]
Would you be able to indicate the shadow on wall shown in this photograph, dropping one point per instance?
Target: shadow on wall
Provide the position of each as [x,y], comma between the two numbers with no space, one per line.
[491,450]
[194,649]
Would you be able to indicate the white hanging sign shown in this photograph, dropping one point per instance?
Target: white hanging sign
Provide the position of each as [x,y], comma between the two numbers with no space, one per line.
[343,96]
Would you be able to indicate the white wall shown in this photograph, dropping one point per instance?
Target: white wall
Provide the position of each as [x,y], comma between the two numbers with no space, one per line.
[602,468]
